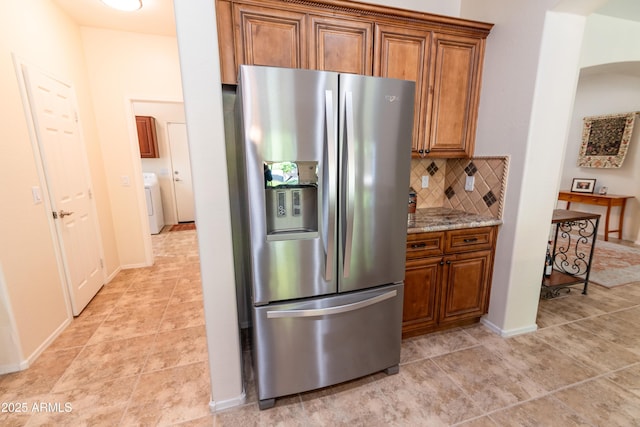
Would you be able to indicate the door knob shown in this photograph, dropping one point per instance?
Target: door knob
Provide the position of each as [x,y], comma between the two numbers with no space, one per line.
[178,179]
[62,214]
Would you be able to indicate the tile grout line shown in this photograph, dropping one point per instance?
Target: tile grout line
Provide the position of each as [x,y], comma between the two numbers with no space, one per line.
[552,392]
[146,360]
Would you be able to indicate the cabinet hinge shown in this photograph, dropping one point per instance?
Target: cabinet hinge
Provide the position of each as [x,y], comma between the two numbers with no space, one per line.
[55,214]
[101,263]
[90,194]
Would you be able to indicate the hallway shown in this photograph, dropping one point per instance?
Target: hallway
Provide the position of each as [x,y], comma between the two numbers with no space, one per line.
[135,356]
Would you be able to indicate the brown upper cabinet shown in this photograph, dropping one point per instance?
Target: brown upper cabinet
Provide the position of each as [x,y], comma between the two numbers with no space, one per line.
[147,138]
[267,36]
[443,55]
[341,45]
[403,53]
[456,94]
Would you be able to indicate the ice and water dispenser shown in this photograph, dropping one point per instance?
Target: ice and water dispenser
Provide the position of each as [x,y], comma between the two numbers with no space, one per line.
[291,195]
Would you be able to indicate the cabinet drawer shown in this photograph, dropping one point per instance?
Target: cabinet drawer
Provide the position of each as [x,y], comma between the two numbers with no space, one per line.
[585,198]
[469,239]
[422,245]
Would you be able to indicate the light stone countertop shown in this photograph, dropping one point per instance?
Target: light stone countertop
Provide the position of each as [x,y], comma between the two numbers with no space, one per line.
[439,219]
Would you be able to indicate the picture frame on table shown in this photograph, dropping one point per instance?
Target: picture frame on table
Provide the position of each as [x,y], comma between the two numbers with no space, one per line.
[583,185]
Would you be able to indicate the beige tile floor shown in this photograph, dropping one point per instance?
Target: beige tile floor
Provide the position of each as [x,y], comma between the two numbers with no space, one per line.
[137,356]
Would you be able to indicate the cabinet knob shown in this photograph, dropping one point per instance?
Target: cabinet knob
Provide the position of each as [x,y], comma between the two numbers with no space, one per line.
[441,262]
[448,262]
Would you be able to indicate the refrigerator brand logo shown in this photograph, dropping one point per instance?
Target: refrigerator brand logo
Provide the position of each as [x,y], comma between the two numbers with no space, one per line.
[392,98]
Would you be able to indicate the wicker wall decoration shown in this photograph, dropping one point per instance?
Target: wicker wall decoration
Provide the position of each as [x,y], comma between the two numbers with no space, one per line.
[605,140]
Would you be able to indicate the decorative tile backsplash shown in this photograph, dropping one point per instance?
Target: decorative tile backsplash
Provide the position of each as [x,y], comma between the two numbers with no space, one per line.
[435,169]
[447,179]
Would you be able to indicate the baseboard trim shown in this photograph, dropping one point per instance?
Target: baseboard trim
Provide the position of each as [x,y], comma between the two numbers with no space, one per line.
[24,364]
[113,275]
[140,265]
[510,332]
[13,367]
[219,405]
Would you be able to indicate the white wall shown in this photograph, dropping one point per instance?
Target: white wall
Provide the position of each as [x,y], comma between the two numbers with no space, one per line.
[123,67]
[11,349]
[164,113]
[610,40]
[198,40]
[528,85]
[40,35]
[608,84]
[598,94]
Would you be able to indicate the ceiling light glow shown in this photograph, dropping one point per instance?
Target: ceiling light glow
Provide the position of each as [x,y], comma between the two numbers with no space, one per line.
[125,5]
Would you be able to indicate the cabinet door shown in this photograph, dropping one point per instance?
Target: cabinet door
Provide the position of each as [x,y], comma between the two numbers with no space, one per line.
[456,87]
[403,53]
[266,36]
[421,284]
[465,286]
[147,139]
[341,45]
[224,18]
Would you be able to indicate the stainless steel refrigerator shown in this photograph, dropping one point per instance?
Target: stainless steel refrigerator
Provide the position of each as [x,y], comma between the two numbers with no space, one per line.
[323,169]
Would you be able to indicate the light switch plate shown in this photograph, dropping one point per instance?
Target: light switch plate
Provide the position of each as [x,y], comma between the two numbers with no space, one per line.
[468,185]
[425,181]
[37,195]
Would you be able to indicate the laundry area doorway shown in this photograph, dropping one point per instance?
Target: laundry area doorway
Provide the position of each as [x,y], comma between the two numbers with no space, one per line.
[181,169]
[169,167]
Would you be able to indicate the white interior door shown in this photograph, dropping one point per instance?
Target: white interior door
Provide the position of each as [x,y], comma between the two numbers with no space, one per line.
[181,165]
[52,105]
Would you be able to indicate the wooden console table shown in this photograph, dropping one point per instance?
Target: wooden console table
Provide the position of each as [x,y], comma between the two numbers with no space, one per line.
[608,200]
[574,239]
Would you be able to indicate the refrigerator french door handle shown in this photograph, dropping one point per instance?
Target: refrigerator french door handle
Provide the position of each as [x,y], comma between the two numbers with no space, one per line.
[316,312]
[351,182]
[331,162]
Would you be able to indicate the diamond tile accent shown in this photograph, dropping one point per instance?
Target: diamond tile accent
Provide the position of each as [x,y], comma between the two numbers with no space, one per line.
[489,198]
[490,176]
[433,196]
[446,184]
[449,192]
[471,169]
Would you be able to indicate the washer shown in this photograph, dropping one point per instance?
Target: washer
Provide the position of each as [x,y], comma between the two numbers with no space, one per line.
[154,202]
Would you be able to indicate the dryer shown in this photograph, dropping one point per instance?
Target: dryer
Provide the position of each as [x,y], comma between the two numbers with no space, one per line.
[154,202]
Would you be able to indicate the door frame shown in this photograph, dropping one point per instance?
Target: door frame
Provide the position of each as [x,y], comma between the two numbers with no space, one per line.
[61,265]
[130,101]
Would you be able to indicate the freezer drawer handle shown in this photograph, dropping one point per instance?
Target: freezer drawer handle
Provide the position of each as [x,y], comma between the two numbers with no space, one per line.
[316,312]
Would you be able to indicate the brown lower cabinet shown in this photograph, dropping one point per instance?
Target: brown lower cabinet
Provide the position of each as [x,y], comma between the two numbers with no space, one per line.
[447,279]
